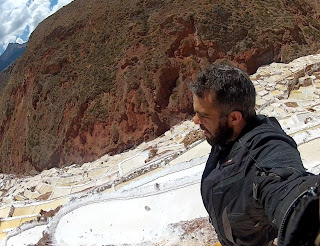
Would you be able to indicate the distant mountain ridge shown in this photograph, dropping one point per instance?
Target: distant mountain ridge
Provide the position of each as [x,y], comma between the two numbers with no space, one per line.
[101,77]
[13,51]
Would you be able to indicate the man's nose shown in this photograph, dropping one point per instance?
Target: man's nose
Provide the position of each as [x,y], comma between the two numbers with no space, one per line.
[196,120]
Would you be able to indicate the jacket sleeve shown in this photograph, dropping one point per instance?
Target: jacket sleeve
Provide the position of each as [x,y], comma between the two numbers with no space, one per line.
[289,194]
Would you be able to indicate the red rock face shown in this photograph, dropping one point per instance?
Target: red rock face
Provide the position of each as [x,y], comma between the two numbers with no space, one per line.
[100,77]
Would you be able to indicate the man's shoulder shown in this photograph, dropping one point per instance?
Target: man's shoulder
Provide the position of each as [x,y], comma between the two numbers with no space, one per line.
[264,128]
[270,146]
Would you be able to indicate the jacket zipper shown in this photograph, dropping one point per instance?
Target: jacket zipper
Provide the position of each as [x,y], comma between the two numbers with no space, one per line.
[311,191]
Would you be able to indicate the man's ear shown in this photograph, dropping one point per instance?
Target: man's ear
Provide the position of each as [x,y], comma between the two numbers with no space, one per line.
[235,118]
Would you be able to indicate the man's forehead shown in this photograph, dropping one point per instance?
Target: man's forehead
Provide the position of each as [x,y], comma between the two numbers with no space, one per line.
[208,96]
[206,103]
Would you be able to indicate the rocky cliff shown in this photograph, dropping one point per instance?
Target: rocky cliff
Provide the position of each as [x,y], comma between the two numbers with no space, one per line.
[5,76]
[102,76]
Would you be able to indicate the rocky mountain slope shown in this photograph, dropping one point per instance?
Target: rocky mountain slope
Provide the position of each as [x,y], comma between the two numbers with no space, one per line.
[100,76]
[7,62]
[5,76]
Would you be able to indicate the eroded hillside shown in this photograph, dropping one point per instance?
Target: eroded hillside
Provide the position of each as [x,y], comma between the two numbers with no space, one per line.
[100,76]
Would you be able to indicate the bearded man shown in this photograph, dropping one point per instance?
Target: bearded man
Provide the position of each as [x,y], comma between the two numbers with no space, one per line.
[254,186]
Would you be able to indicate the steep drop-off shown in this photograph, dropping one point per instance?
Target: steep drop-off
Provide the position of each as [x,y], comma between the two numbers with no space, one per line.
[102,76]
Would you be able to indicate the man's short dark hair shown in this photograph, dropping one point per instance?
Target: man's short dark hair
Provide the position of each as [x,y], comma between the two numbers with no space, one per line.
[234,91]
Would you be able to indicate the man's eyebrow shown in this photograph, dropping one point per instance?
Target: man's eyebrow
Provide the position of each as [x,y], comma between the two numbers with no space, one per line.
[201,113]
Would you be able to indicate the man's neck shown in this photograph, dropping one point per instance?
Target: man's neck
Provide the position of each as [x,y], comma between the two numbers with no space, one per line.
[245,127]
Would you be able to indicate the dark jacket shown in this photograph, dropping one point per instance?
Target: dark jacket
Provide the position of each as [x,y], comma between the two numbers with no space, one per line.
[250,187]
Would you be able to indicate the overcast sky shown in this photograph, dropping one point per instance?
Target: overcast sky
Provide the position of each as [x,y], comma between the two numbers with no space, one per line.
[19,18]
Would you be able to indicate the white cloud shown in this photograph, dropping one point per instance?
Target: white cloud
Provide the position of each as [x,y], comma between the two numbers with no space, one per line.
[38,11]
[20,41]
[60,4]
[17,15]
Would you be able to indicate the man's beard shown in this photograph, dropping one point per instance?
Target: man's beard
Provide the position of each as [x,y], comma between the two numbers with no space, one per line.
[223,134]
